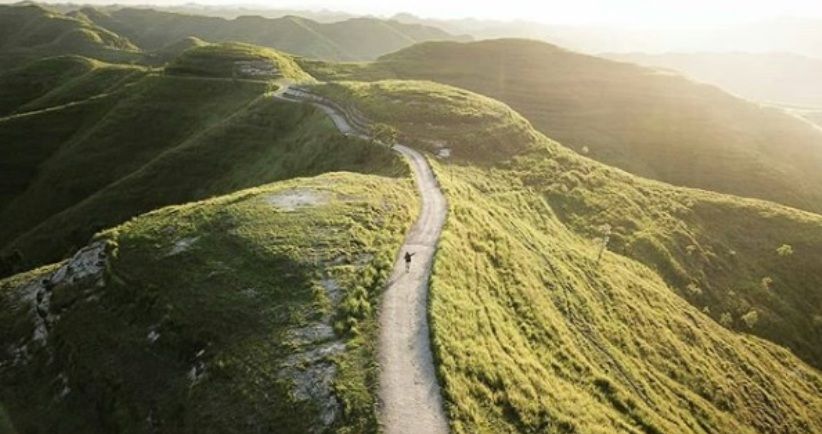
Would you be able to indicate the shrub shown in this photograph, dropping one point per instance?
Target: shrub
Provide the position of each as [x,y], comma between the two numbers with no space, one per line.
[785,250]
[751,318]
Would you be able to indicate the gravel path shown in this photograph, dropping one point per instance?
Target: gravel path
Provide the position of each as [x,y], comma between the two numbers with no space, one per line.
[410,400]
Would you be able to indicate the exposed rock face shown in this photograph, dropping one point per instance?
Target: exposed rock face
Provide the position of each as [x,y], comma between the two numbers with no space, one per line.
[311,369]
[256,68]
[291,200]
[85,268]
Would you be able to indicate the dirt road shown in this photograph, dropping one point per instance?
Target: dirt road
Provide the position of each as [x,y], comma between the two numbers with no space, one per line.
[410,400]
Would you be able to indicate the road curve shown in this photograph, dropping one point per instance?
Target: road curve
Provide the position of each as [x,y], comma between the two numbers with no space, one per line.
[410,400]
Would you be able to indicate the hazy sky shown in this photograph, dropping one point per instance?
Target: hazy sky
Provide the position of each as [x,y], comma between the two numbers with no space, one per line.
[649,12]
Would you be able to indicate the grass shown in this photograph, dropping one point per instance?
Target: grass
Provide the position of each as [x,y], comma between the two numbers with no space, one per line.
[431,115]
[53,81]
[150,118]
[682,234]
[185,157]
[532,334]
[251,277]
[656,125]
[220,60]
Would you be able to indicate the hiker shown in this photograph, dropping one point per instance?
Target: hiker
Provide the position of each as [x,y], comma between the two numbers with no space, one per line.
[408,261]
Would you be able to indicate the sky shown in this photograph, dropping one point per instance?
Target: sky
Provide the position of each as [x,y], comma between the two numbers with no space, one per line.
[577,12]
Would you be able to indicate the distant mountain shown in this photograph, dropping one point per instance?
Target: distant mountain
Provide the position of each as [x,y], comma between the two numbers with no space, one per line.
[779,78]
[31,31]
[655,124]
[796,35]
[353,39]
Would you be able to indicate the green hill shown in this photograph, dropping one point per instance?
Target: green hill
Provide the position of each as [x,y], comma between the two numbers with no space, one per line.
[163,139]
[236,60]
[354,39]
[533,333]
[656,125]
[567,295]
[250,312]
[52,81]
[29,32]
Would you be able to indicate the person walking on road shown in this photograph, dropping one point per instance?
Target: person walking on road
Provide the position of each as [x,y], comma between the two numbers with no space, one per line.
[408,256]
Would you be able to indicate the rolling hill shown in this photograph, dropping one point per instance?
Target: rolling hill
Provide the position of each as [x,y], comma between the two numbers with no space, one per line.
[352,39]
[163,139]
[30,32]
[650,123]
[533,333]
[250,312]
[200,256]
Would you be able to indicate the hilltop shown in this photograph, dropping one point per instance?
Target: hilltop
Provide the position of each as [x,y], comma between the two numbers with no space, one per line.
[652,124]
[533,332]
[248,312]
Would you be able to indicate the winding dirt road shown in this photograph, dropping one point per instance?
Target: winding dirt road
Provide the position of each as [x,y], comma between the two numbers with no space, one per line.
[409,393]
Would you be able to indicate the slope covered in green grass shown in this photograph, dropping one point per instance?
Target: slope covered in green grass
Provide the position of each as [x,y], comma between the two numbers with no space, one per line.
[355,39]
[236,60]
[533,334]
[164,140]
[52,81]
[653,124]
[28,32]
[251,312]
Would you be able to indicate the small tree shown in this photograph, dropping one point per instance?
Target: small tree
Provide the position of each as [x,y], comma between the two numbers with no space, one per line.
[767,282]
[694,289]
[785,250]
[750,319]
[384,133]
[605,231]
[726,319]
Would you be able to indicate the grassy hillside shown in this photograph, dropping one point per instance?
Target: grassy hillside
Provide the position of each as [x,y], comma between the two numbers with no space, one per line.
[355,39]
[52,81]
[532,333]
[653,124]
[236,60]
[478,127]
[252,312]
[165,140]
[28,32]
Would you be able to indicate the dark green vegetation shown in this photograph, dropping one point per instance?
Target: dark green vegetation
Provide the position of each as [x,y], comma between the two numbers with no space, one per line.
[53,81]
[354,39]
[533,334]
[243,313]
[164,140]
[650,123]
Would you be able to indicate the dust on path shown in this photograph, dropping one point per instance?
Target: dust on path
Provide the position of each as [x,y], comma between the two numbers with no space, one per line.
[410,400]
